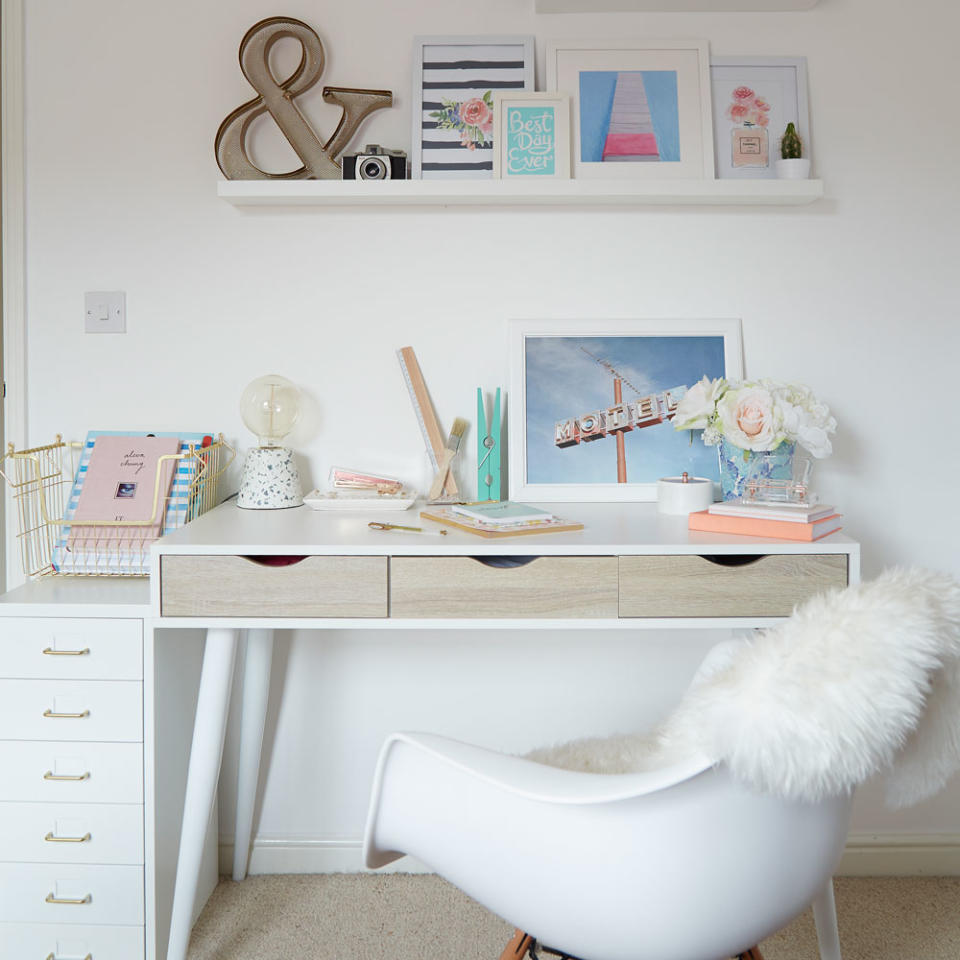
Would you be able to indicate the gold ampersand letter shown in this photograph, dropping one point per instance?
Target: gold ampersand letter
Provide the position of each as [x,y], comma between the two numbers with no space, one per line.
[319,159]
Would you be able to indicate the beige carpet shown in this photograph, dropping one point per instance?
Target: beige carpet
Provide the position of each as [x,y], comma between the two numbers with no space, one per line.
[417,917]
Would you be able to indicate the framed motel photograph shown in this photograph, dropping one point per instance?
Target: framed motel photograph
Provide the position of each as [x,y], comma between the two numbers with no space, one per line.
[531,135]
[754,98]
[641,110]
[454,82]
[592,404]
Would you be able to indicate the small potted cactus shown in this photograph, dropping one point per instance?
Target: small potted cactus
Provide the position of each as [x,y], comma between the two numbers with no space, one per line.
[792,165]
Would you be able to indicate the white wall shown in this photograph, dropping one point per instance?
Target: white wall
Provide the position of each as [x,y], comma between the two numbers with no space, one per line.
[855,295]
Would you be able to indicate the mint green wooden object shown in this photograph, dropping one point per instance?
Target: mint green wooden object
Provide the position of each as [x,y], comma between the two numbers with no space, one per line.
[488,449]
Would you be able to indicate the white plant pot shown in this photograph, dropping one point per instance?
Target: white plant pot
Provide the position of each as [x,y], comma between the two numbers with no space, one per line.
[798,169]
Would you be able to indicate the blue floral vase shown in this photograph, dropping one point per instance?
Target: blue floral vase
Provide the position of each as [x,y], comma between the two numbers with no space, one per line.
[737,466]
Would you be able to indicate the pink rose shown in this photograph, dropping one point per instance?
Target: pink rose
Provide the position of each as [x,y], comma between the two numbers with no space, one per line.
[742,93]
[761,104]
[737,111]
[475,113]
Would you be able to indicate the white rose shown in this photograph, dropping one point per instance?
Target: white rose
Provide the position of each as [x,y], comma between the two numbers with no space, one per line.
[750,419]
[697,407]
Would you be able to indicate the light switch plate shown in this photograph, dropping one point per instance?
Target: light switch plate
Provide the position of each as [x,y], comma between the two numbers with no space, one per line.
[105,312]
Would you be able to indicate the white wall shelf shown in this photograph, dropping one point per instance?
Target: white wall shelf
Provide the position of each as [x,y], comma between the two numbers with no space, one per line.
[670,6]
[456,193]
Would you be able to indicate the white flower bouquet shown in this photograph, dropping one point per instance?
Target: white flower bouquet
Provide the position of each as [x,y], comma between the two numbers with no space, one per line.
[757,415]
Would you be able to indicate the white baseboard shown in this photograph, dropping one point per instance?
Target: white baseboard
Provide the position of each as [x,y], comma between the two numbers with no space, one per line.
[866,855]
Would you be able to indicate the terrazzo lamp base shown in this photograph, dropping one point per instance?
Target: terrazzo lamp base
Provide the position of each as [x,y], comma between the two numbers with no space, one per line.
[269,480]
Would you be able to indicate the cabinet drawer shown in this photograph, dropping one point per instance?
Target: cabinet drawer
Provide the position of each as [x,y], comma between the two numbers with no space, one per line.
[736,586]
[242,587]
[71,832]
[65,772]
[107,894]
[35,941]
[460,587]
[71,649]
[71,709]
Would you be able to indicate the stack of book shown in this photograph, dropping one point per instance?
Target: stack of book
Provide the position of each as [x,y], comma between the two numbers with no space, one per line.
[781,521]
[498,519]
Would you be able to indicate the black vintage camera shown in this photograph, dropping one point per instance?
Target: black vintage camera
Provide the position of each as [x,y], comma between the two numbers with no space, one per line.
[375,163]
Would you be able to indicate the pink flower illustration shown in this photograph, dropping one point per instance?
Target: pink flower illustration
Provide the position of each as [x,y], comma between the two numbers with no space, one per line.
[737,112]
[476,113]
[743,93]
[761,104]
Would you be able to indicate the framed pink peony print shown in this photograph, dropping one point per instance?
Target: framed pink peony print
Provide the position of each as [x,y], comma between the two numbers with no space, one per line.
[754,98]
[454,83]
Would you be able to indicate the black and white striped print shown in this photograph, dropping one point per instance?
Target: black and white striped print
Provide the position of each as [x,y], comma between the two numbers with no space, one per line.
[456,83]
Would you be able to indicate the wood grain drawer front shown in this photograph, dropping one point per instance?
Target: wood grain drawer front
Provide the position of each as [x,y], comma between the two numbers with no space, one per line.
[65,772]
[39,940]
[71,832]
[105,894]
[71,710]
[239,587]
[71,649]
[463,587]
[692,586]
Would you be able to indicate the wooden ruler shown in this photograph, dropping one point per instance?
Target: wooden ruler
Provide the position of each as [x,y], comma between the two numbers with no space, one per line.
[423,408]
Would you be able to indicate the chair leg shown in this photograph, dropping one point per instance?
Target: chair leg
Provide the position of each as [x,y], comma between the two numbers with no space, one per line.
[752,954]
[518,946]
[825,920]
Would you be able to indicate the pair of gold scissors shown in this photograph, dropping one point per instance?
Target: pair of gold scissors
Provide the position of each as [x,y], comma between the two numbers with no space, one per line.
[378,525]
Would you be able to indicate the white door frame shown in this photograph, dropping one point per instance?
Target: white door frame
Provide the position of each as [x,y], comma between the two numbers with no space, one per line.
[14,276]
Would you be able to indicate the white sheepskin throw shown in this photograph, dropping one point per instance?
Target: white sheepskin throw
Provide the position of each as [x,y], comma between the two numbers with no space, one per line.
[857,681]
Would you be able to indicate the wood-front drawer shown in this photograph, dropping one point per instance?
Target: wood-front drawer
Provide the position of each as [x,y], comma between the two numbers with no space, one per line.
[464,587]
[224,586]
[62,941]
[71,648]
[729,586]
[71,710]
[71,832]
[70,893]
[62,772]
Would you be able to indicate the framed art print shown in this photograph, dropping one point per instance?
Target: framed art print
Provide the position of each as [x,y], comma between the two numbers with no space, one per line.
[641,110]
[454,82]
[592,404]
[754,98]
[531,135]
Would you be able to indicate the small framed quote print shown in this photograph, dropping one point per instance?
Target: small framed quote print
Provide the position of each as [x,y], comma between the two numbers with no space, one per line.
[531,135]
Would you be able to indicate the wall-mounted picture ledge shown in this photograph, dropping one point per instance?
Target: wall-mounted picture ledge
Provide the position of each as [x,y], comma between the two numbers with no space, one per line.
[670,6]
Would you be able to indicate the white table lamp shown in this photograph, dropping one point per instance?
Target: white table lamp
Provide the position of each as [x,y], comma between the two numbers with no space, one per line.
[270,406]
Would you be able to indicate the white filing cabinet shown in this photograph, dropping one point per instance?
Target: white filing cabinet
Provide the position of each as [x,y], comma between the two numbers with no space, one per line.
[85,861]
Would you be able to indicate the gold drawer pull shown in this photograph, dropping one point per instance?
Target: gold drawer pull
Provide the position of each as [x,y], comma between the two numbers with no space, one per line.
[66,653]
[50,775]
[52,956]
[50,898]
[50,838]
[66,716]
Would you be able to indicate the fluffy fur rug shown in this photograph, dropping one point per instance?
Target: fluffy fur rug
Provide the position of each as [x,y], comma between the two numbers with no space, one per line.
[857,681]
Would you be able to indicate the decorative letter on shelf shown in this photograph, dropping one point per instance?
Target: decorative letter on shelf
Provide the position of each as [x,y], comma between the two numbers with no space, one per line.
[319,159]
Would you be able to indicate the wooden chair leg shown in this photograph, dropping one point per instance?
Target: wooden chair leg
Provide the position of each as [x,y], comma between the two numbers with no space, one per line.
[752,954]
[518,946]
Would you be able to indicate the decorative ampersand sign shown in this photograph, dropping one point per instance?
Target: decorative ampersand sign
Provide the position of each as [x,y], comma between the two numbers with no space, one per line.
[319,159]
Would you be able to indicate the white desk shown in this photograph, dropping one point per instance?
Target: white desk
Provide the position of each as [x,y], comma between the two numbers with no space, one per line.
[628,568]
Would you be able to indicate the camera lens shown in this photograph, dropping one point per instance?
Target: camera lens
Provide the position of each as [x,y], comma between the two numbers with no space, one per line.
[373,168]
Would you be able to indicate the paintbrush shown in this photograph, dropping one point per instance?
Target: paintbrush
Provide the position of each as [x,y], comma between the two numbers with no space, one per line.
[446,458]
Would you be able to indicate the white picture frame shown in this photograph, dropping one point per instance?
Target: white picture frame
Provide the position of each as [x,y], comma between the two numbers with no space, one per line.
[531,136]
[781,82]
[449,74]
[643,103]
[566,370]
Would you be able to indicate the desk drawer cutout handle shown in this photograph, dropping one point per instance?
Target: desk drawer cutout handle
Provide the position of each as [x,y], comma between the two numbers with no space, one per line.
[733,559]
[50,715]
[50,838]
[50,775]
[50,898]
[53,956]
[272,560]
[50,652]
[504,563]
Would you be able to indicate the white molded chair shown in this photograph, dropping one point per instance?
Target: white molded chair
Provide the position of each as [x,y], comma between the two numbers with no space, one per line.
[681,863]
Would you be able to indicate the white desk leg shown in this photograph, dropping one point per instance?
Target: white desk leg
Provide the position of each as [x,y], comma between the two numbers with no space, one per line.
[209,728]
[825,920]
[253,715]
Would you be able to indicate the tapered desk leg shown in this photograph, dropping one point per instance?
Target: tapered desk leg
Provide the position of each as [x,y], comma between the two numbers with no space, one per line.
[256,688]
[203,773]
[825,920]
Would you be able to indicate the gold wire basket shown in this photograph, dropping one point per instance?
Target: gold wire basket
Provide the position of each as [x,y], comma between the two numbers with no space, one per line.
[41,482]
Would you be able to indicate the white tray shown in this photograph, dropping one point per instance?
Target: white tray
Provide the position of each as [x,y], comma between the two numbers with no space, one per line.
[359,500]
